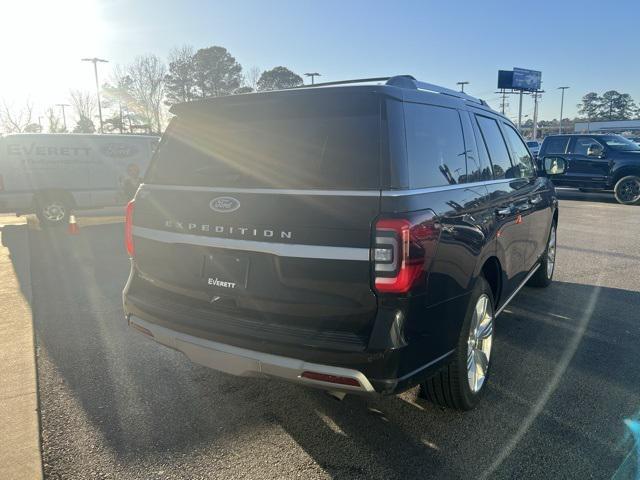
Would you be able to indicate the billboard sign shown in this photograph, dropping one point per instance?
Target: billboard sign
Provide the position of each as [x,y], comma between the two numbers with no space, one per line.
[505,79]
[524,79]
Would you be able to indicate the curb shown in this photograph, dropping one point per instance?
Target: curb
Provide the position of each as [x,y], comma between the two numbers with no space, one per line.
[20,453]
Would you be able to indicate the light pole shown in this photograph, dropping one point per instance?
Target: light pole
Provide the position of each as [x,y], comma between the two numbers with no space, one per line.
[536,96]
[561,107]
[313,75]
[95,61]
[64,116]
[462,84]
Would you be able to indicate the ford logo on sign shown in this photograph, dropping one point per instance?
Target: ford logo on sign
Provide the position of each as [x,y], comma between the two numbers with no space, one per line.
[224,204]
[119,150]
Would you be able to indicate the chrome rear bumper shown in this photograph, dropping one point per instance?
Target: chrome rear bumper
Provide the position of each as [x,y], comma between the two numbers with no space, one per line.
[243,362]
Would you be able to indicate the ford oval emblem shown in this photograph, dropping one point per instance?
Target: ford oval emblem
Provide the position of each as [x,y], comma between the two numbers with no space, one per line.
[224,204]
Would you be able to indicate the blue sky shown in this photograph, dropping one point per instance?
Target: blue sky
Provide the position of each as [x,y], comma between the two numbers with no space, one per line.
[589,46]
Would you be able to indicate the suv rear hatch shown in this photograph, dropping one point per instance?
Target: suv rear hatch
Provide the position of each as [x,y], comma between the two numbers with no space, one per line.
[257,213]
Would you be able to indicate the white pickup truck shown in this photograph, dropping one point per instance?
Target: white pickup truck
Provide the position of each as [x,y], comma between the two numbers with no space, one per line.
[52,174]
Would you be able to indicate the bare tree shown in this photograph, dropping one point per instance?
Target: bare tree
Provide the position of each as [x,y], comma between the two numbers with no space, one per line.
[84,103]
[15,120]
[146,86]
[119,100]
[251,78]
[54,122]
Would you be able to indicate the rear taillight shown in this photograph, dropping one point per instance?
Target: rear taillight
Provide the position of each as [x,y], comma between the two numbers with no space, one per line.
[403,250]
[128,229]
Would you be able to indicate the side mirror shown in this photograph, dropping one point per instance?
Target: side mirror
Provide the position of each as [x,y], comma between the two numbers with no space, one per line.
[554,165]
[594,151]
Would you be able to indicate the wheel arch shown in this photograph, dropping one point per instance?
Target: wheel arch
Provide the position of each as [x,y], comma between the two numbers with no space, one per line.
[625,172]
[54,193]
[492,272]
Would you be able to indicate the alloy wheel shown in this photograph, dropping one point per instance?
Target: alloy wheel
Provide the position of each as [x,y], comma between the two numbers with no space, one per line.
[479,343]
[551,252]
[629,190]
[54,212]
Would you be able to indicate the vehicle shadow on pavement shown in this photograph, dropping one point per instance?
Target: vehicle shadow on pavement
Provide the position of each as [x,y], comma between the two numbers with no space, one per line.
[565,377]
[14,238]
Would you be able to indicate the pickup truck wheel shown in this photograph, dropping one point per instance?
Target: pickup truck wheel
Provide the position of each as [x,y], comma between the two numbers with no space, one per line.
[52,211]
[627,190]
[462,383]
[544,275]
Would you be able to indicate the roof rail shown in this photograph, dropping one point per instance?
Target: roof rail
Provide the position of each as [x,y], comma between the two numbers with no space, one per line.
[404,81]
[343,82]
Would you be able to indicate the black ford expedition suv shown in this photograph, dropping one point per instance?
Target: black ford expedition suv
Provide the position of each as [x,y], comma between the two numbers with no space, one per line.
[359,238]
[596,162]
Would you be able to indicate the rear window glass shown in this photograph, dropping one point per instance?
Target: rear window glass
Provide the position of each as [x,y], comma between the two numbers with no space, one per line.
[555,144]
[435,146]
[327,141]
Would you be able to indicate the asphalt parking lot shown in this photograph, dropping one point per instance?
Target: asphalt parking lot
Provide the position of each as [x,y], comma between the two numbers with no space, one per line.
[566,378]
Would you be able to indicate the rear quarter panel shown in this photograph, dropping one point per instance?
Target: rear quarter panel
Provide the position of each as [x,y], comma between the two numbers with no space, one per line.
[465,243]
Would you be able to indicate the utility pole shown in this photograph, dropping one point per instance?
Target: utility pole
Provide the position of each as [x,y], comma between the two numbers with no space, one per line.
[462,84]
[64,116]
[504,101]
[95,61]
[520,112]
[313,76]
[536,95]
[561,107]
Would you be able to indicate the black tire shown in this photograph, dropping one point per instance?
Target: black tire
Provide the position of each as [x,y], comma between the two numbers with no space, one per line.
[450,387]
[53,210]
[627,190]
[544,275]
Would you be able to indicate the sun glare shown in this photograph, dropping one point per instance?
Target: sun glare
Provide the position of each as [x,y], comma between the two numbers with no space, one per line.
[44,39]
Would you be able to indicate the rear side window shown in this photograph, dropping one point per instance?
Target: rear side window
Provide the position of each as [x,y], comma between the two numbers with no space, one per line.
[582,144]
[555,144]
[497,148]
[521,158]
[435,146]
[478,168]
[319,141]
